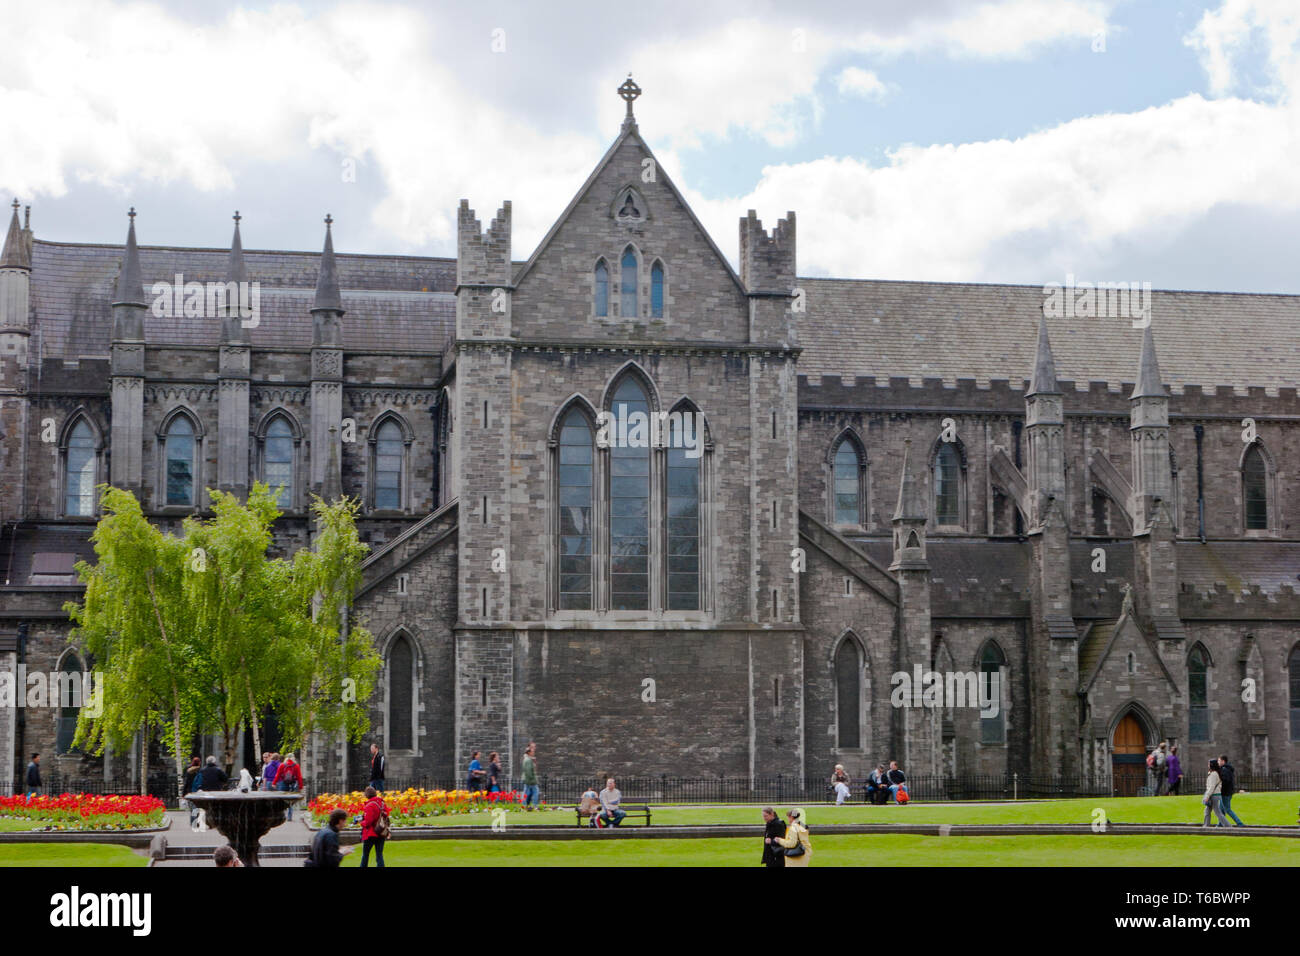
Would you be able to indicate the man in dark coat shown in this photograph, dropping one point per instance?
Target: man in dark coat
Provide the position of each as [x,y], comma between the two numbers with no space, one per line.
[213,777]
[325,852]
[773,829]
[378,764]
[1228,777]
[34,776]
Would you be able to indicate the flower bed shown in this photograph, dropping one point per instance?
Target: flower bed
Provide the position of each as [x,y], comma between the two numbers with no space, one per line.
[411,808]
[85,811]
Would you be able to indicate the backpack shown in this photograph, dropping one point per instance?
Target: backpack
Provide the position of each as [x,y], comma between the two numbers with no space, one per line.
[383,826]
[1151,760]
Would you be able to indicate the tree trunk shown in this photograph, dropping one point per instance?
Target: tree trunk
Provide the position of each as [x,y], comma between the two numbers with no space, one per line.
[252,716]
[144,759]
[176,744]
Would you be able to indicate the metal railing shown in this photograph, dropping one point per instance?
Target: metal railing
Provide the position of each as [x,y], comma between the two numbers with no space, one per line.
[664,789]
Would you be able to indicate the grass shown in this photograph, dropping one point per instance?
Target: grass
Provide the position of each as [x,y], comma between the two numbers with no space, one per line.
[69,854]
[1256,809]
[850,850]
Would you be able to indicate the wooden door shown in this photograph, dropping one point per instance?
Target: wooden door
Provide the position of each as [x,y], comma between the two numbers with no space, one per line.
[1128,757]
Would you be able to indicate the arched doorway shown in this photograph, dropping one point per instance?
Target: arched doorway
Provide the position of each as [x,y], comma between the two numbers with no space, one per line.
[1128,757]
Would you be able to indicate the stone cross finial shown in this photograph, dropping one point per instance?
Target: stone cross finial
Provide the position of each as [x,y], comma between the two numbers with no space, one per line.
[328,220]
[131,214]
[629,91]
[15,204]
[1128,600]
[237,217]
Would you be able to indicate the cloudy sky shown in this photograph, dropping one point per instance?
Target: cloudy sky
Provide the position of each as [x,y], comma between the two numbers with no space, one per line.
[1004,141]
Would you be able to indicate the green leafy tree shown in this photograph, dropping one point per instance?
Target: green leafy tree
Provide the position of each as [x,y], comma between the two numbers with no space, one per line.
[134,623]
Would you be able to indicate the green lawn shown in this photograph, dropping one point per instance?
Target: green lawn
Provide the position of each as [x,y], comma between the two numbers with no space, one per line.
[69,854]
[1259,809]
[850,850]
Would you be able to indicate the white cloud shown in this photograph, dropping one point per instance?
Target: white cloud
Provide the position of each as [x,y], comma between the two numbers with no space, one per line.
[855,81]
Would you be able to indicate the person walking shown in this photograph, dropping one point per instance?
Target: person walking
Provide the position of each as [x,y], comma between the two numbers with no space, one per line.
[1173,771]
[325,852]
[773,830]
[1213,796]
[33,777]
[840,785]
[378,766]
[796,840]
[270,770]
[532,796]
[375,828]
[288,779]
[476,773]
[1156,764]
[1228,776]
[211,777]
[193,782]
[494,772]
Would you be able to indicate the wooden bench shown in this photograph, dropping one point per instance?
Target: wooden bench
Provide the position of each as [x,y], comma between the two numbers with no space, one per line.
[639,812]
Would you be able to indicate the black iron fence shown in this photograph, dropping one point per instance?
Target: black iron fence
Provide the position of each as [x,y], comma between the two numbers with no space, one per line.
[663,789]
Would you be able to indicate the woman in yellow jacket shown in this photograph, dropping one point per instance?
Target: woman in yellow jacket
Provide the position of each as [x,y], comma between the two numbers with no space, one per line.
[796,835]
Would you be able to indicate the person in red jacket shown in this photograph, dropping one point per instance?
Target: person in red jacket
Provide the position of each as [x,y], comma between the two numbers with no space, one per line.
[289,779]
[374,812]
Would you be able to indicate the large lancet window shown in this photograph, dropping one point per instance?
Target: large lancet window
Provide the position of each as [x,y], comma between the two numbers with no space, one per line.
[657,291]
[1198,695]
[602,289]
[79,474]
[629,498]
[178,456]
[401,694]
[69,699]
[847,478]
[1254,486]
[277,461]
[1293,669]
[993,728]
[848,695]
[576,472]
[389,455]
[628,285]
[685,444]
[947,485]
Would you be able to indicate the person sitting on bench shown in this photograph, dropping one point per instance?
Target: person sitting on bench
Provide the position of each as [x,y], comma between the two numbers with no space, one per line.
[897,781]
[878,785]
[589,806]
[610,798]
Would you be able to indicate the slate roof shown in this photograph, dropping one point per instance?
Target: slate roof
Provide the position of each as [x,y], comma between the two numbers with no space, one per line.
[392,302]
[1239,565]
[970,330]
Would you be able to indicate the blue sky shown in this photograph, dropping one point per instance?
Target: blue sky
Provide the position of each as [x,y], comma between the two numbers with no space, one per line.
[997,141]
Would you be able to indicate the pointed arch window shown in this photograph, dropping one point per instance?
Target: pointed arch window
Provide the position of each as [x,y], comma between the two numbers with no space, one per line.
[657,291]
[1254,487]
[79,471]
[576,475]
[628,285]
[69,691]
[685,444]
[179,447]
[390,458]
[629,498]
[401,694]
[1198,695]
[1293,670]
[602,289]
[277,460]
[947,485]
[847,473]
[848,695]
[993,728]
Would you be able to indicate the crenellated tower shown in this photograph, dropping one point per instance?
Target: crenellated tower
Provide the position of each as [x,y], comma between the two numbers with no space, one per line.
[768,274]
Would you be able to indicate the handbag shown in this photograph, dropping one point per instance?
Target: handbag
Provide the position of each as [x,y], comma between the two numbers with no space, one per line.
[796,850]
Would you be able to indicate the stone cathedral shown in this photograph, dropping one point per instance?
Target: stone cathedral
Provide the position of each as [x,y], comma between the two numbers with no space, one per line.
[887,475]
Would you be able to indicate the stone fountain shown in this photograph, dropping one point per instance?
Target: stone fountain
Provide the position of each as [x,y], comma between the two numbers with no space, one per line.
[243,818]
